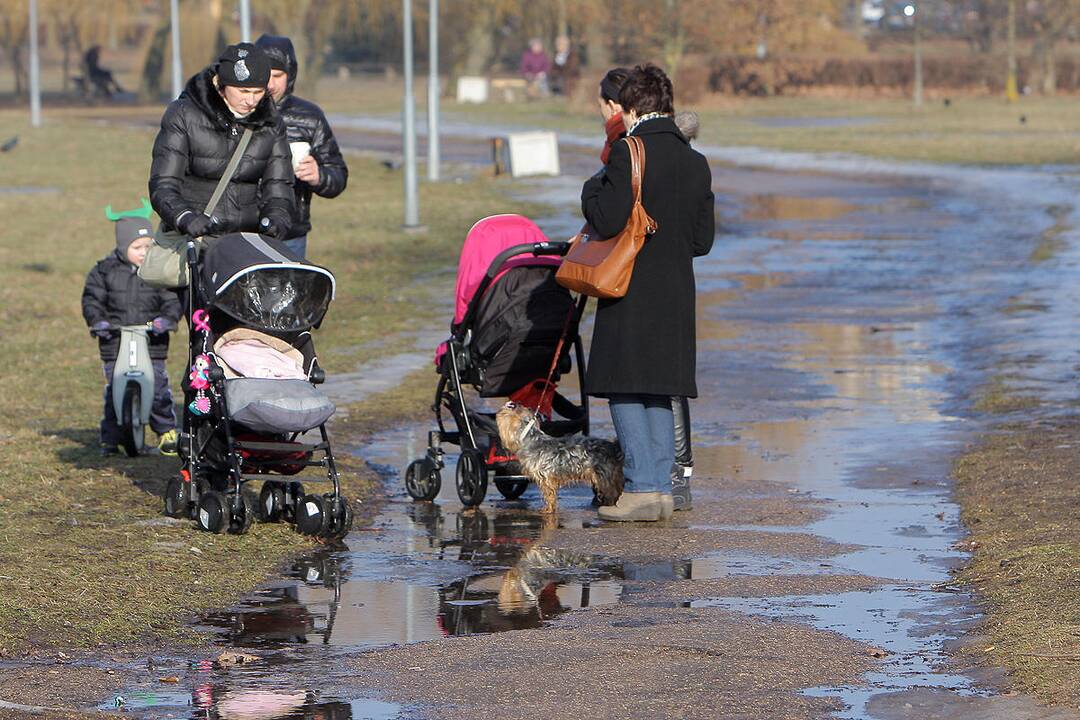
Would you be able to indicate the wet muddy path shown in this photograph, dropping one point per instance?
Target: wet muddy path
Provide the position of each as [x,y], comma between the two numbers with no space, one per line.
[843,324]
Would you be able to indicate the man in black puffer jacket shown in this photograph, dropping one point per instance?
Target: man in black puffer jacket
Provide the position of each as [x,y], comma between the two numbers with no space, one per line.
[323,171]
[199,132]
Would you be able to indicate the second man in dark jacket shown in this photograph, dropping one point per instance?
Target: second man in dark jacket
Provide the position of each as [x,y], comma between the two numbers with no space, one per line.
[323,170]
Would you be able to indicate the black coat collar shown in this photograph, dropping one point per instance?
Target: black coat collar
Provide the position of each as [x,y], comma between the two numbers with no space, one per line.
[658,126]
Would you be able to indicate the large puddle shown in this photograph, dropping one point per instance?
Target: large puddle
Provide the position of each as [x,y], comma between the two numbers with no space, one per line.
[835,361]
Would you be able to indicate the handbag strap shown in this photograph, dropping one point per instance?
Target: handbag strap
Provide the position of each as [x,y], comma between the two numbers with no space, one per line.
[230,170]
[637,165]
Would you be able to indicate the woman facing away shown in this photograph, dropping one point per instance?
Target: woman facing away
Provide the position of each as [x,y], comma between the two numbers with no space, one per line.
[644,346]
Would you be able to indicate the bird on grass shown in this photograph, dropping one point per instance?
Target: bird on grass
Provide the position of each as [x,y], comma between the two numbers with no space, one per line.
[9,144]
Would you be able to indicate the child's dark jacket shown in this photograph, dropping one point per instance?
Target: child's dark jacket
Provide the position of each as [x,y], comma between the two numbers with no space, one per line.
[115,293]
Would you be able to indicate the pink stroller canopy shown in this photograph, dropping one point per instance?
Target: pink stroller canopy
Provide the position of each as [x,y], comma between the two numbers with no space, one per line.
[486,239]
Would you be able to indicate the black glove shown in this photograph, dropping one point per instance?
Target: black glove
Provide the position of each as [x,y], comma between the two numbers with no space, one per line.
[194,224]
[274,227]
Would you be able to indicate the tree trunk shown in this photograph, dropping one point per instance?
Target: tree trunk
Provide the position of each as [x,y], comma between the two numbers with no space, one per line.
[1049,69]
[481,44]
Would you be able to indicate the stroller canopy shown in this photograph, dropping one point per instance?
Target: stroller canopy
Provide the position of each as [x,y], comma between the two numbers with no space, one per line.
[486,239]
[258,282]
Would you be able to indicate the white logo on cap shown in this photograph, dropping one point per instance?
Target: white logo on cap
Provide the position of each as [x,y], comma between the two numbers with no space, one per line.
[241,53]
[242,72]
[144,231]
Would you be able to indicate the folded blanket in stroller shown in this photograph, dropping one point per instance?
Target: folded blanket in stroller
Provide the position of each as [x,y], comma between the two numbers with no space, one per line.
[277,406]
[257,357]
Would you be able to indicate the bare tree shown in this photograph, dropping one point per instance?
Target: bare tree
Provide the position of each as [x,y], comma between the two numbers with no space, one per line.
[14,36]
[1051,22]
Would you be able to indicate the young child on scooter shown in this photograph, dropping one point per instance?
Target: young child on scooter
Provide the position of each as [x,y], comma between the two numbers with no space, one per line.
[114,295]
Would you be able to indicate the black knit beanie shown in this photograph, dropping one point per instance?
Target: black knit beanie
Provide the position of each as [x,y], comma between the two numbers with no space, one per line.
[243,65]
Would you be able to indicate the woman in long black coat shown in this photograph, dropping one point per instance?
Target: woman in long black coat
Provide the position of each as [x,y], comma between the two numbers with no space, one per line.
[644,347]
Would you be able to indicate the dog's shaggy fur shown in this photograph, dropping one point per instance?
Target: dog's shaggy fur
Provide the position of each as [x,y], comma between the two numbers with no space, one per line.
[553,462]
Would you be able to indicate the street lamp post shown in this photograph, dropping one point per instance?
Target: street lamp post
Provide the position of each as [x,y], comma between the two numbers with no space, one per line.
[177,70]
[408,121]
[911,11]
[433,90]
[35,67]
[245,20]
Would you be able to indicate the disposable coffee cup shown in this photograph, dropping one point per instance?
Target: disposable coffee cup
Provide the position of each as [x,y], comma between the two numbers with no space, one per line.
[300,150]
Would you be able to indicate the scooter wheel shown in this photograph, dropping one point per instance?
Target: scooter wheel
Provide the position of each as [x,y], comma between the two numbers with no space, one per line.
[422,480]
[213,513]
[241,516]
[341,519]
[271,501]
[132,431]
[311,515]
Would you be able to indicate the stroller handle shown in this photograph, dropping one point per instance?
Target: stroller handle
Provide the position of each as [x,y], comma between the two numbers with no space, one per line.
[547,247]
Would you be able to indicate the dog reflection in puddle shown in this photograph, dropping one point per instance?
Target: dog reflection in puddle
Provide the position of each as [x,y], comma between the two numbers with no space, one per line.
[530,585]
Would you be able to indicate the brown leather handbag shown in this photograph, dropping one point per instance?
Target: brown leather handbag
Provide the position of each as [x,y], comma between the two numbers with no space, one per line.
[602,268]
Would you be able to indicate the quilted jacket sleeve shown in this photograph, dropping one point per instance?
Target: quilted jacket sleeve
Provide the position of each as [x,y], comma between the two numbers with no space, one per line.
[169,165]
[333,172]
[276,187]
[94,297]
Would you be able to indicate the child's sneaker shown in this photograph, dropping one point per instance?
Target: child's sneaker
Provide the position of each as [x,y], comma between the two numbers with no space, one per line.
[107,450]
[167,442]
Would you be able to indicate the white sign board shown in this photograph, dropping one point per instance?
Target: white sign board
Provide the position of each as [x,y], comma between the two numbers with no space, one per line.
[472,89]
[533,153]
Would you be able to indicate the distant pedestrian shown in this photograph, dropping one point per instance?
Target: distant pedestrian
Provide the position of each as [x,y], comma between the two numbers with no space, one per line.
[317,161]
[564,67]
[535,66]
[643,350]
[114,296]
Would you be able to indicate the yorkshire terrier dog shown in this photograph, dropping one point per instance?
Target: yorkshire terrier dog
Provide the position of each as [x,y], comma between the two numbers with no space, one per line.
[553,462]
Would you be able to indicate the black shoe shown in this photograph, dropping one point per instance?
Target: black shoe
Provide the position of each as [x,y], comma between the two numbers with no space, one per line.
[106,450]
[680,486]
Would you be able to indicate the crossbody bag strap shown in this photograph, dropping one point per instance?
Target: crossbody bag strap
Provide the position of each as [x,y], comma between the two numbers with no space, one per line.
[230,170]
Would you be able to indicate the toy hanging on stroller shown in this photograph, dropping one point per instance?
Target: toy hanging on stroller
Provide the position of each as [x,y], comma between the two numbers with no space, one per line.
[513,333]
[252,392]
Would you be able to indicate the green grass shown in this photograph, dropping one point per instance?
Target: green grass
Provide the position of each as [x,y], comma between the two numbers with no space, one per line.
[79,565]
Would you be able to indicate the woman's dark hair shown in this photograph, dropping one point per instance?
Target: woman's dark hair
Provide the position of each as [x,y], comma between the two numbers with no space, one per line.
[612,83]
[647,90]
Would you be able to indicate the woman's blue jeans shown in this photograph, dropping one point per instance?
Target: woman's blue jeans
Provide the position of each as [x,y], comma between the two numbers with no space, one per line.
[645,427]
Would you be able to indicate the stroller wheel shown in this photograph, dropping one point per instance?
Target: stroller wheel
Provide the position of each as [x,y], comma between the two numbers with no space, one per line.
[177,504]
[471,478]
[271,501]
[213,514]
[341,519]
[294,495]
[422,480]
[311,515]
[511,488]
[240,520]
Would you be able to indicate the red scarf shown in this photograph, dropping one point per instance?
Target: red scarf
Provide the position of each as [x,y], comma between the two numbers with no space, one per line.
[615,129]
